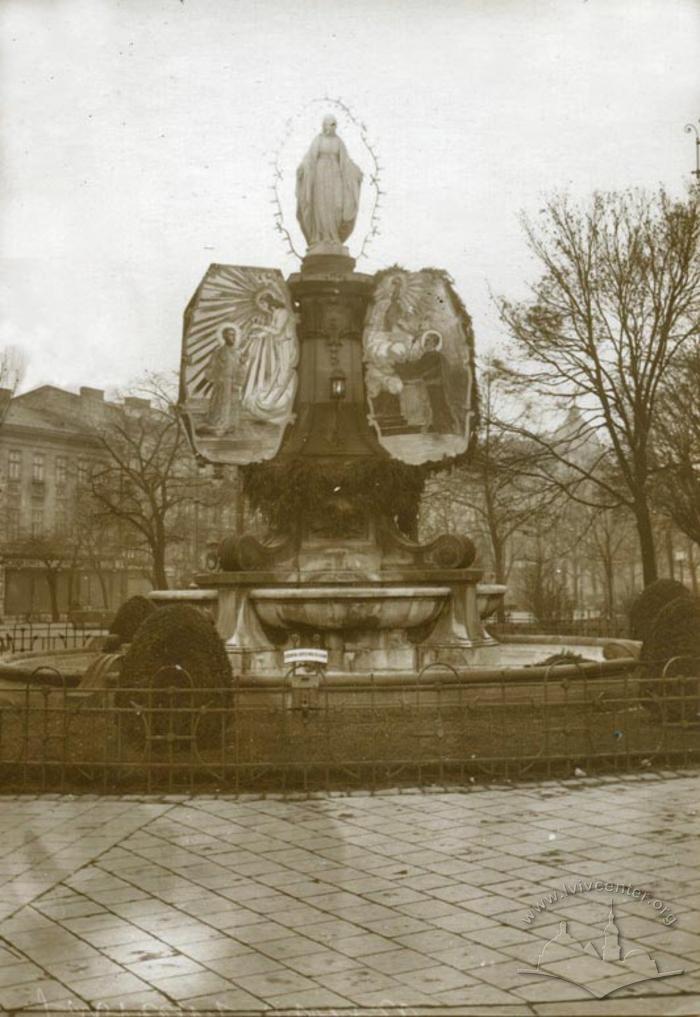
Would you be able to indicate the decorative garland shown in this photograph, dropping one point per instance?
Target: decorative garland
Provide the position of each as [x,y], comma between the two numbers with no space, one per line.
[285,493]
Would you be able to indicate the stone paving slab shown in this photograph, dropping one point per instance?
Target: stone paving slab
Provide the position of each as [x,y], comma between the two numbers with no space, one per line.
[479,901]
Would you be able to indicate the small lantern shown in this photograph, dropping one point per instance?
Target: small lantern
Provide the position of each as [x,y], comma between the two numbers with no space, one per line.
[337,385]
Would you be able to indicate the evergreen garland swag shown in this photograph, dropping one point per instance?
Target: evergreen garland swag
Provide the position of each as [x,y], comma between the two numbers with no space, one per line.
[286,493]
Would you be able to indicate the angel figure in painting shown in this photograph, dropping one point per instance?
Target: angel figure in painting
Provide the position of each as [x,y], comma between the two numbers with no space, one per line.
[270,385]
[240,354]
[223,372]
[328,190]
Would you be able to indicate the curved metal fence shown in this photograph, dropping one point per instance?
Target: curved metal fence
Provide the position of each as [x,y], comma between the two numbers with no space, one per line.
[23,637]
[307,733]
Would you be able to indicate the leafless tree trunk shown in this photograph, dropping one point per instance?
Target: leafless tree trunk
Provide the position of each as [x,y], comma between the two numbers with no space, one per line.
[616,303]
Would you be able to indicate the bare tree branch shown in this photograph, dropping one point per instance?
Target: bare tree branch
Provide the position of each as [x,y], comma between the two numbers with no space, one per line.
[616,304]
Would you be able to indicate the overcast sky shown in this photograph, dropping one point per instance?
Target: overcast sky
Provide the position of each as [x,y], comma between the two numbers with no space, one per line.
[138,136]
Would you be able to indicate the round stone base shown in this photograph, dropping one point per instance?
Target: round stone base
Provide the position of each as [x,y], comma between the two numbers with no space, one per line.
[327,264]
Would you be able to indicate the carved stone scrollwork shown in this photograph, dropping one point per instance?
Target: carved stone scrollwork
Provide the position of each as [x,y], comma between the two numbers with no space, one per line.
[448,551]
[245,553]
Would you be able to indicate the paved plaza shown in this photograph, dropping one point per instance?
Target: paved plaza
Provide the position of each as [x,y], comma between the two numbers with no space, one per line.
[536,899]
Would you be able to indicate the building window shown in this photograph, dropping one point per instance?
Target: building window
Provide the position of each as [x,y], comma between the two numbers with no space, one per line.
[38,466]
[14,471]
[37,522]
[13,515]
[82,471]
[61,516]
[61,470]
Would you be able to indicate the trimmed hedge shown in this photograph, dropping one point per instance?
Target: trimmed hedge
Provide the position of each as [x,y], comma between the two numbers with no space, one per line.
[175,658]
[674,633]
[128,619]
[650,601]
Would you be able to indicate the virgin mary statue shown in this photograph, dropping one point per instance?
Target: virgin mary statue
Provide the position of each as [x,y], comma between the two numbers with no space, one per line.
[328,190]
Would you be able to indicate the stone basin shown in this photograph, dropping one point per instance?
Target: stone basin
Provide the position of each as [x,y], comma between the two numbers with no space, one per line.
[345,608]
[489,597]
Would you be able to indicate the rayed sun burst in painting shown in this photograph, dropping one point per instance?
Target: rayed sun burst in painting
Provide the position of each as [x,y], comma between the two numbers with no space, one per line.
[238,375]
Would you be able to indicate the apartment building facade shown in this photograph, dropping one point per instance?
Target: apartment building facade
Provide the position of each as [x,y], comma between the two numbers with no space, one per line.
[48,446]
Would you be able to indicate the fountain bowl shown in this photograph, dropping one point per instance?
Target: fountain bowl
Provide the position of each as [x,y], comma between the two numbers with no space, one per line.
[343,608]
[489,597]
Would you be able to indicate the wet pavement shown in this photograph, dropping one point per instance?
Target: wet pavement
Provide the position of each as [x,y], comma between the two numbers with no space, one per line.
[552,898]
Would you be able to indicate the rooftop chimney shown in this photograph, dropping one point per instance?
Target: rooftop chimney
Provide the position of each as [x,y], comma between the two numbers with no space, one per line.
[135,404]
[94,395]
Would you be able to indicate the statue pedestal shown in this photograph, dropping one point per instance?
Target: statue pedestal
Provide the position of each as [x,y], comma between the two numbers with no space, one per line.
[327,262]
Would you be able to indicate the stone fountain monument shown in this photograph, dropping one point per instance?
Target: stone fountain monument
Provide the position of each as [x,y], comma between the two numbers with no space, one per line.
[336,393]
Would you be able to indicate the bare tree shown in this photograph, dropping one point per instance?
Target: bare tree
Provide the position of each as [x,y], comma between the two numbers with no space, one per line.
[495,492]
[543,590]
[617,300]
[54,551]
[547,581]
[13,366]
[606,543]
[677,446]
[95,539]
[145,476]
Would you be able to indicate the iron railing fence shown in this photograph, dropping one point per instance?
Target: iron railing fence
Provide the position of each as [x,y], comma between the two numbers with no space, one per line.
[442,728]
[23,637]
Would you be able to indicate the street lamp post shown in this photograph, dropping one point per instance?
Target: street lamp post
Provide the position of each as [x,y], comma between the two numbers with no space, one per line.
[691,128]
[681,558]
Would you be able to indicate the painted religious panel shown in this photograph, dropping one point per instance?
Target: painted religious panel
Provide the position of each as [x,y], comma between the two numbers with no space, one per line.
[419,373]
[238,373]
